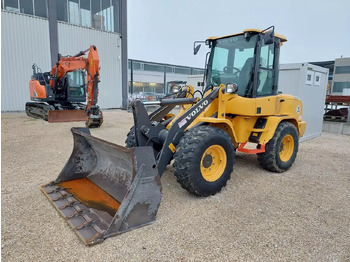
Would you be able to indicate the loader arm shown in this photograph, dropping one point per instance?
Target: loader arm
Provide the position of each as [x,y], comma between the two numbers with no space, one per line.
[145,131]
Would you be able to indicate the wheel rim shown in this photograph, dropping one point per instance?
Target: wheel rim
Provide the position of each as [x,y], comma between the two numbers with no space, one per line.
[213,163]
[286,148]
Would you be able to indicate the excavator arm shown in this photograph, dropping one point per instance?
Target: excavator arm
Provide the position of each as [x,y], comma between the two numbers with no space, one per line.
[93,78]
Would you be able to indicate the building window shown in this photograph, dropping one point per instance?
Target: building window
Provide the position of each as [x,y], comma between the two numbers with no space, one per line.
[40,8]
[342,69]
[136,66]
[309,78]
[317,80]
[155,68]
[85,11]
[116,15]
[73,11]
[338,87]
[170,69]
[197,72]
[147,89]
[37,8]
[96,14]
[11,5]
[184,71]
[26,7]
[99,14]
[107,14]
[61,7]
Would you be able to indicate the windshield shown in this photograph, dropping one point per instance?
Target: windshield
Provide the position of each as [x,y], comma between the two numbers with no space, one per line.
[231,61]
[76,83]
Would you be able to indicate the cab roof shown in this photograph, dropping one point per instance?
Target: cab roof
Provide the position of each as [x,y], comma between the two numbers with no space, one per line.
[283,38]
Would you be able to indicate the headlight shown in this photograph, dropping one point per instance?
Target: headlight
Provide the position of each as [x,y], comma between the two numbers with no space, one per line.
[231,88]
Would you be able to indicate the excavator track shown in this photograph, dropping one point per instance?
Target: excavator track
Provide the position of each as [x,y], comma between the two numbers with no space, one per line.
[38,110]
[56,113]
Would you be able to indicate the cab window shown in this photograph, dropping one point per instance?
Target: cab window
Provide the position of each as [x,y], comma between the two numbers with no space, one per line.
[265,82]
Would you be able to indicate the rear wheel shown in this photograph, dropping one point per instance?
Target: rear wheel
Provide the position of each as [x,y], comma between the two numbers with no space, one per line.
[204,160]
[281,150]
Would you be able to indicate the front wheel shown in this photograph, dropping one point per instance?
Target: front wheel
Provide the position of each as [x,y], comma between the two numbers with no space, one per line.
[281,150]
[204,160]
[130,138]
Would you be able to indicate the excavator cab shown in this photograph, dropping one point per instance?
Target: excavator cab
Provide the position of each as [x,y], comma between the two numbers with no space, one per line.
[76,86]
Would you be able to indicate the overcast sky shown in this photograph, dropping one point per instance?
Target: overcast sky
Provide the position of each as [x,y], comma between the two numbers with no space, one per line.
[164,30]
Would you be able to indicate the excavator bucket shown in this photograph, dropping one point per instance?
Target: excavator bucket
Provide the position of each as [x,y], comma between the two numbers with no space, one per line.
[66,116]
[105,189]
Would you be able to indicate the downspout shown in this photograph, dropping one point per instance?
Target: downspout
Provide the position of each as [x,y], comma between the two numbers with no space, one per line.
[124,52]
[53,31]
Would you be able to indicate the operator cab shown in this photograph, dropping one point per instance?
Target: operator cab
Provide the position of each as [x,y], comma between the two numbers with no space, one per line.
[76,86]
[249,60]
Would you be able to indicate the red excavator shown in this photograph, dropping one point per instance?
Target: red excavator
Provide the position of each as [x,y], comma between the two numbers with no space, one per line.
[59,95]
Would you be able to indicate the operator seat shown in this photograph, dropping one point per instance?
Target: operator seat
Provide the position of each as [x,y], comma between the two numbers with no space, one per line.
[245,76]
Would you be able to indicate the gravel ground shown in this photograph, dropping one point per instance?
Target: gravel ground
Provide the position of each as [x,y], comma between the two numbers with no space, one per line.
[300,215]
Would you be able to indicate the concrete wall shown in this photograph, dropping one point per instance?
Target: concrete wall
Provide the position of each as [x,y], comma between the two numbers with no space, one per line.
[336,128]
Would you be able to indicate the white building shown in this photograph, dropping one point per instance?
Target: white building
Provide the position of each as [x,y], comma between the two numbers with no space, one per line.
[341,77]
[154,77]
[35,31]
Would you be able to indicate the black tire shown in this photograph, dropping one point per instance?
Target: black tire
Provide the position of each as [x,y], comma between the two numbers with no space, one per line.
[194,159]
[272,159]
[130,139]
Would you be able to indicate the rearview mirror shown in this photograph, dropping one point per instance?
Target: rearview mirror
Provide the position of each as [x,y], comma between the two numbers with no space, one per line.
[269,37]
[196,49]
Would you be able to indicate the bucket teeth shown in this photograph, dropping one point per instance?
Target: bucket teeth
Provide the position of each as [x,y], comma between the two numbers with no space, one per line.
[63,194]
[51,188]
[77,213]
[70,203]
[96,236]
[85,224]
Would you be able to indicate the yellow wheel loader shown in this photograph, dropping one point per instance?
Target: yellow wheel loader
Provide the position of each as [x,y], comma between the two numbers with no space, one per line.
[106,189]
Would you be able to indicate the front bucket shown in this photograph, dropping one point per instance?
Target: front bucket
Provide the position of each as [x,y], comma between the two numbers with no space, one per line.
[105,189]
[66,116]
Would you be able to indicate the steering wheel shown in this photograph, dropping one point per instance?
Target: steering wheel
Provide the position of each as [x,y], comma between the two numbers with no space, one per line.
[228,70]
